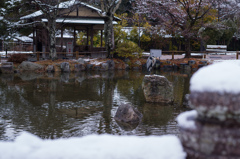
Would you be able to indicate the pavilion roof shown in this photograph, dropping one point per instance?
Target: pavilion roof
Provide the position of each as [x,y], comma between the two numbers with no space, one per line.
[65,5]
[79,21]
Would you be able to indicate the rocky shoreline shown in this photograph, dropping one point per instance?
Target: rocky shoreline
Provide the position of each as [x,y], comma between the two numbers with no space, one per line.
[82,64]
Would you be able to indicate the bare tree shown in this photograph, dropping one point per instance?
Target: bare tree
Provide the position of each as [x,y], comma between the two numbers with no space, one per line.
[109,7]
[184,17]
[52,10]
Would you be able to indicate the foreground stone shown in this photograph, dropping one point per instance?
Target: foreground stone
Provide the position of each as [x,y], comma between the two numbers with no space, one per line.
[215,105]
[157,89]
[212,130]
[205,139]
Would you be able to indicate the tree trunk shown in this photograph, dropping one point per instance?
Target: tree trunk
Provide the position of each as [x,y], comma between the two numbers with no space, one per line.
[108,32]
[52,39]
[187,48]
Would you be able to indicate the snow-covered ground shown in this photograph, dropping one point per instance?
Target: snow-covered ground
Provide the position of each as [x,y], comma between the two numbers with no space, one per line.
[28,146]
[3,53]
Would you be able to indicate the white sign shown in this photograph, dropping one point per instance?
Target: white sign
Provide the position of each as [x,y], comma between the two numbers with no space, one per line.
[69,48]
[155,52]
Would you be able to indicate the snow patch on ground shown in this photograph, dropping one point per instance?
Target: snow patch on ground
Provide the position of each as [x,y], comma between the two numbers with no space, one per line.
[218,77]
[28,146]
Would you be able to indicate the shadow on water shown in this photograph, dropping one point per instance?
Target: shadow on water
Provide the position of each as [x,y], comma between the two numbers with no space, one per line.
[55,105]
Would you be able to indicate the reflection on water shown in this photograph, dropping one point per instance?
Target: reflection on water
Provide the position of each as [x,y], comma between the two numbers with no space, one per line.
[65,105]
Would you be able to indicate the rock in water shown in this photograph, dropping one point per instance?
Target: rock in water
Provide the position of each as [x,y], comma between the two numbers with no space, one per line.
[127,114]
[157,89]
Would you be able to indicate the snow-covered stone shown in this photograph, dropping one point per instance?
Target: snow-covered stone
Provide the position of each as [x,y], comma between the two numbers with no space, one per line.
[215,91]
[218,77]
[187,119]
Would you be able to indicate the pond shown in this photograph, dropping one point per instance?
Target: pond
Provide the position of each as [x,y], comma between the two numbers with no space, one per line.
[63,105]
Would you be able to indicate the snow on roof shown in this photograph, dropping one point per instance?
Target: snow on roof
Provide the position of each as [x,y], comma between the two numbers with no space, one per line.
[28,146]
[24,39]
[58,35]
[89,6]
[79,21]
[66,4]
[218,77]
[33,15]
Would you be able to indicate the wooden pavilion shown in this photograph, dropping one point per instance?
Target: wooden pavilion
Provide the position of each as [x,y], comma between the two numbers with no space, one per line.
[83,22]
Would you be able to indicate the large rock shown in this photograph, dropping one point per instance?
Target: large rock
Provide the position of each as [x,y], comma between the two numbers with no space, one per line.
[79,67]
[127,114]
[157,89]
[111,64]
[104,67]
[7,67]
[81,61]
[30,66]
[50,68]
[65,67]
[137,65]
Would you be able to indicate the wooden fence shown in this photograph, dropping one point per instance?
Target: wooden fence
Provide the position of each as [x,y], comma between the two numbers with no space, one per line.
[199,54]
[75,55]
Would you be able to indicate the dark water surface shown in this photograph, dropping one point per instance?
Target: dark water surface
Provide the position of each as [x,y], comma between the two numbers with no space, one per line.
[66,105]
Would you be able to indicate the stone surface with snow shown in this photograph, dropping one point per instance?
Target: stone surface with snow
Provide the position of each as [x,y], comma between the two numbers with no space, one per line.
[222,77]
[28,146]
[187,119]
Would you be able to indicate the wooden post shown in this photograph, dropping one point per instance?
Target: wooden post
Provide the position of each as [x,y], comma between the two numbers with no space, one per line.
[38,56]
[172,55]
[91,46]
[77,55]
[61,39]
[237,55]
[74,38]
[101,38]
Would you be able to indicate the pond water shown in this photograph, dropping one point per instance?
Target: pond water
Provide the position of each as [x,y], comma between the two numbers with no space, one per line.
[63,105]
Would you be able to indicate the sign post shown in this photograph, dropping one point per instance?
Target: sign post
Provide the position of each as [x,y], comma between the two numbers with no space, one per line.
[156,53]
[69,49]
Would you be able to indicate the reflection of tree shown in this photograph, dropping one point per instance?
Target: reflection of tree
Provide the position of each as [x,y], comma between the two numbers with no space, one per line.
[156,114]
[52,108]
[181,85]
[108,91]
[131,87]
